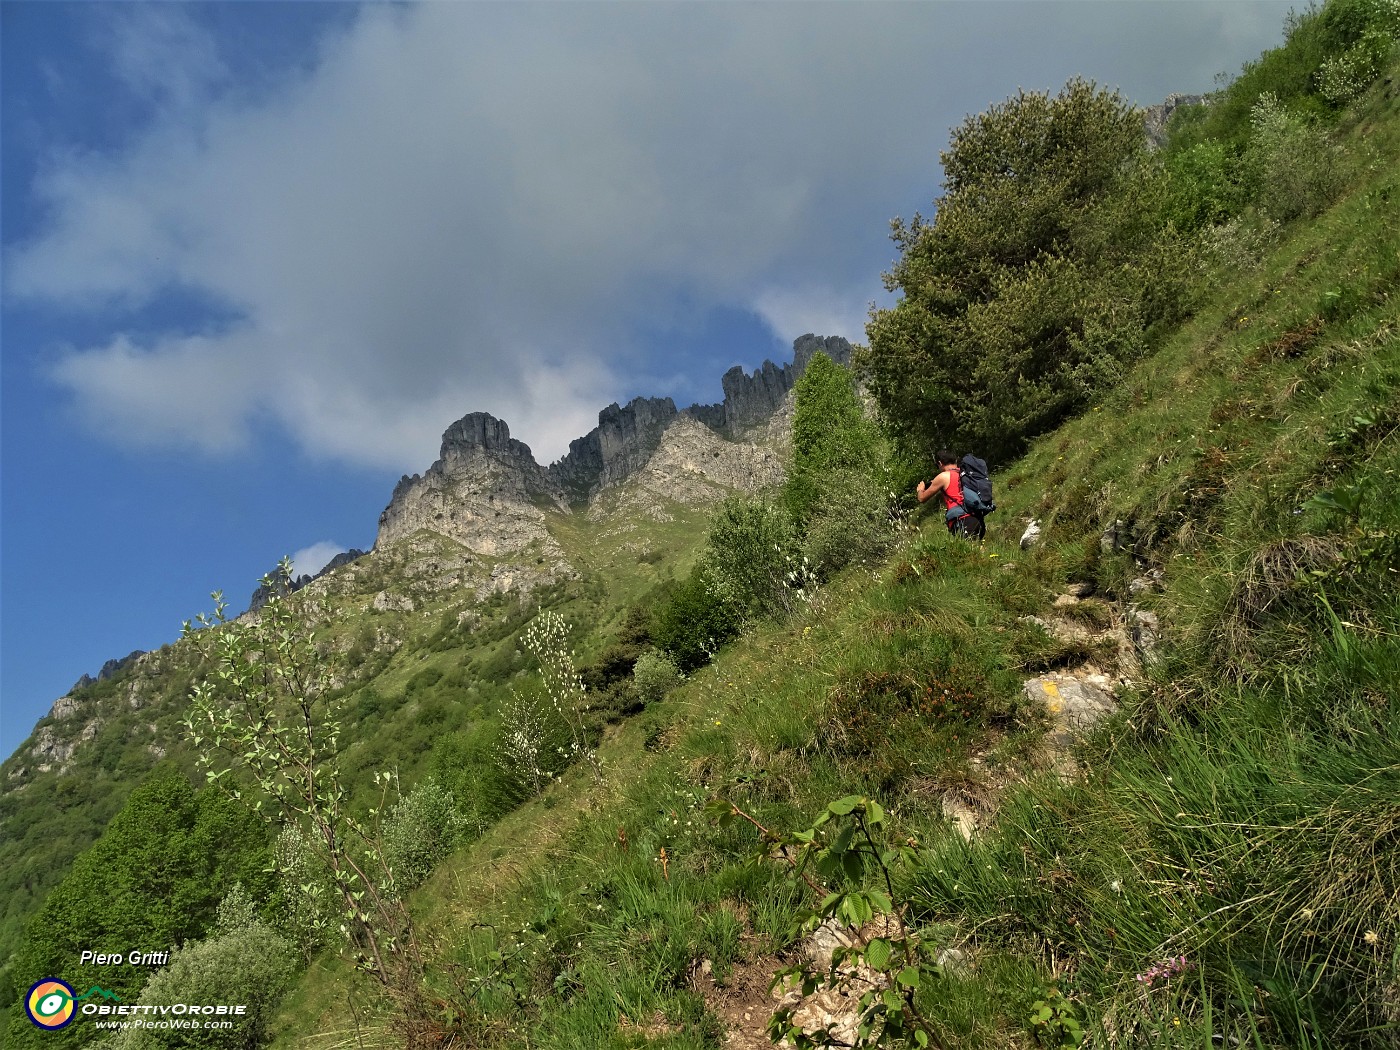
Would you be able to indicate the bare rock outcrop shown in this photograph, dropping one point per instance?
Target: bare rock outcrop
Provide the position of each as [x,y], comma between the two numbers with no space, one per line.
[750,400]
[614,450]
[691,465]
[110,668]
[1156,118]
[50,750]
[485,491]
[627,437]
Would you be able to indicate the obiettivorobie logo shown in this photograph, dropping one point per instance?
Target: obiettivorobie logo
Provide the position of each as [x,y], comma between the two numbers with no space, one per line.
[51,1004]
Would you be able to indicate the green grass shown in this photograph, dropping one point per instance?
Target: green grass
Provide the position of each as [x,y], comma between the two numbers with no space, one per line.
[1240,811]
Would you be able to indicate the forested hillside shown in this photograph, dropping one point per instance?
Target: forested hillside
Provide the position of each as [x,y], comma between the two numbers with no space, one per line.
[1125,778]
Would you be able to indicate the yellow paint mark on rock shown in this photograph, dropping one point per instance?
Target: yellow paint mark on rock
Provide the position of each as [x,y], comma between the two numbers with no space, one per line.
[1052,696]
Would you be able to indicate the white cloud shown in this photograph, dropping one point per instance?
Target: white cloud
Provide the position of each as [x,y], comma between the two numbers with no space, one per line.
[467,207]
[193,391]
[162,54]
[310,560]
[822,311]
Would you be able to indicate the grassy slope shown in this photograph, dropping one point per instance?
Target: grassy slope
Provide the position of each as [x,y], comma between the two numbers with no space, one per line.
[416,676]
[1242,812]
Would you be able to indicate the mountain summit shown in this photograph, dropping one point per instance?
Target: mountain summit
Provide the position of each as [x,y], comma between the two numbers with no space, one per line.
[487,492]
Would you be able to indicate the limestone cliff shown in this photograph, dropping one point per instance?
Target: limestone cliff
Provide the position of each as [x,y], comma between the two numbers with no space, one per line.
[750,400]
[691,465]
[627,437]
[485,491]
[616,448]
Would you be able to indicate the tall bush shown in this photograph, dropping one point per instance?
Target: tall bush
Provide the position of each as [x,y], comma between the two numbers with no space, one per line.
[423,828]
[830,433]
[1035,284]
[1291,163]
[694,621]
[250,965]
[655,675]
[748,555]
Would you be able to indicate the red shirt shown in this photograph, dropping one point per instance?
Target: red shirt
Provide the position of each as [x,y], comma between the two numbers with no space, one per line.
[952,493]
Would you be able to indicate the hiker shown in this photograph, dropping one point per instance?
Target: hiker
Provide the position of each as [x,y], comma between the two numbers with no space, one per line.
[961,521]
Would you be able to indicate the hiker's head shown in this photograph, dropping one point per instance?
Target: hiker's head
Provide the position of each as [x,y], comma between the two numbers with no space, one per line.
[945,458]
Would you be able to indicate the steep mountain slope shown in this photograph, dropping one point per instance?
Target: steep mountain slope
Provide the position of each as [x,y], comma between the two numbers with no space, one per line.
[1215,864]
[1133,783]
[463,553]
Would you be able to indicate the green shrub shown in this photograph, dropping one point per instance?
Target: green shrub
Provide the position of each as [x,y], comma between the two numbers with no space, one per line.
[655,675]
[533,746]
[467,764]
[250,965]
[1360,35]
[423,828]
[852,523]
[1238,245]
[423,681]
[748,554]
[1291,164]
[694,622]
[236,910]
[1204,185]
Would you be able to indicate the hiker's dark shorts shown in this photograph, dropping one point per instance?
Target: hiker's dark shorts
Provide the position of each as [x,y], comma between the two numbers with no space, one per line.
[969,526]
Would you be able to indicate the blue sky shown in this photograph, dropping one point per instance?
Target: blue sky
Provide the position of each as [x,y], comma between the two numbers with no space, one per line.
[258,256]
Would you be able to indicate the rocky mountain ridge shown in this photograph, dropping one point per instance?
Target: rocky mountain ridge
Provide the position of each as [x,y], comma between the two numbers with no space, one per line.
[487,492]
[1156,118]
[489,499]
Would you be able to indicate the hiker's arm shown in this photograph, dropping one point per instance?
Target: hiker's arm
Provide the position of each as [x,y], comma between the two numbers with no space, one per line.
[928,489]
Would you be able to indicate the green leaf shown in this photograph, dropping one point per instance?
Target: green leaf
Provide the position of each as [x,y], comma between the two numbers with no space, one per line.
[852,865]
[843,806]
[910,977]
[877,953]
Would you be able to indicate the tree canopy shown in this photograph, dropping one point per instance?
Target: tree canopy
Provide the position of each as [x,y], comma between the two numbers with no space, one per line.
[1047,262]
[152,881]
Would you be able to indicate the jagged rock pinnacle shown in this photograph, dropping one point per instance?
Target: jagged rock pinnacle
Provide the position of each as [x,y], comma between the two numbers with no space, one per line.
[486,490]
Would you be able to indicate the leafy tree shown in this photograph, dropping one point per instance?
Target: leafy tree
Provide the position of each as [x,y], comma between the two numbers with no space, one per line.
[1046,266]
[153,880]
[250,965]
[267,712]
[830,434]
